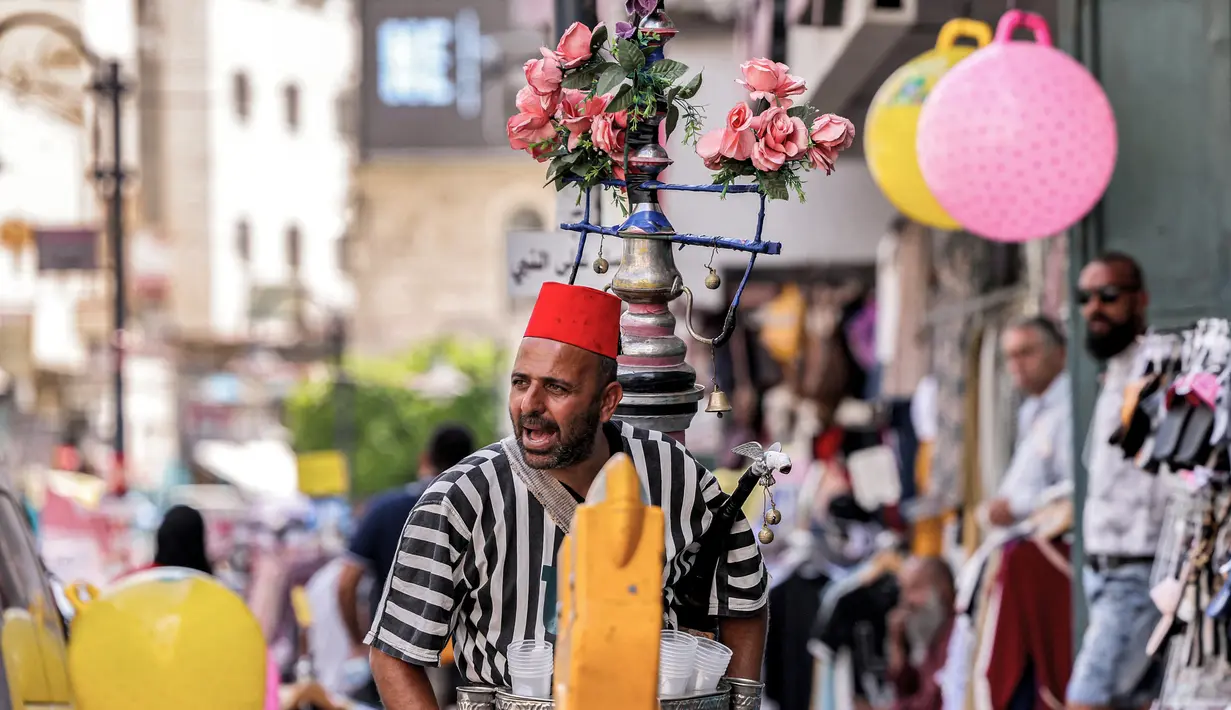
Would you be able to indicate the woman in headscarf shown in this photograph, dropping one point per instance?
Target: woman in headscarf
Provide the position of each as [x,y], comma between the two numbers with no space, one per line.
[181,541]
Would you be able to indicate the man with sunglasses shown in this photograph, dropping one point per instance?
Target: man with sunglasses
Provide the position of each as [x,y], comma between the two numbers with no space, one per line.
[1124,505]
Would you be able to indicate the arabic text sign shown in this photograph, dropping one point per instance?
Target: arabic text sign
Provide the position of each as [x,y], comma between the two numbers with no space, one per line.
[535,257]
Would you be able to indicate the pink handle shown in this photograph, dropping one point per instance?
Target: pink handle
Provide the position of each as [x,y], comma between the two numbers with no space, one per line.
[1016,18]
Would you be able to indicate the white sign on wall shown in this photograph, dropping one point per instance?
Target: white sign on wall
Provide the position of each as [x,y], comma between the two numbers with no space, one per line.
[534,257]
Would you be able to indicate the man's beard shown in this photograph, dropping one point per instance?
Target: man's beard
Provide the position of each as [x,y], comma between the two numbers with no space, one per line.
[575,446]
[1118,337]
[923,625]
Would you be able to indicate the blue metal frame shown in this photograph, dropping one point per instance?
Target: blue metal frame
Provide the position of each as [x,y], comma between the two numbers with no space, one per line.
[752,246]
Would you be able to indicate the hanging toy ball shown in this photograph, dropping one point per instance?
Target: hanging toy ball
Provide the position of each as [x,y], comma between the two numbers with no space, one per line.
[600,265]
[167,638]
[766,536]
[713,280]
[1017,142]
[893,123]
[772,516]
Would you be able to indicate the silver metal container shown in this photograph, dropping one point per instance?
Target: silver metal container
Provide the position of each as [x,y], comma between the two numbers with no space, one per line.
[476,697]
[719,699]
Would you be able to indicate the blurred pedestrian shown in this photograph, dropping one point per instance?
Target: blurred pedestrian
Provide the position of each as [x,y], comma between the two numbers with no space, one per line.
[180,542]
[1035,349]
[375,543]
[1124,506]
[918,630]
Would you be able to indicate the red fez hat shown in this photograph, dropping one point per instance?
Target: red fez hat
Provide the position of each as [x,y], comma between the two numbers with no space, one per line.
[577,315]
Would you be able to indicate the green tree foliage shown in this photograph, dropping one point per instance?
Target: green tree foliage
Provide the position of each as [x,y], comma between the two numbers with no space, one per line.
[392,423]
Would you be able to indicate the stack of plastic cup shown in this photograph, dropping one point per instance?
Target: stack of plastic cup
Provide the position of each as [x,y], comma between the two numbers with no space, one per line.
[711,664]
[530,665]
[677,656]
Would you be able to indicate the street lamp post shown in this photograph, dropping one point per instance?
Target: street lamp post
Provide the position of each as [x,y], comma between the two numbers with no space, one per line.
[110,87]
[343,398]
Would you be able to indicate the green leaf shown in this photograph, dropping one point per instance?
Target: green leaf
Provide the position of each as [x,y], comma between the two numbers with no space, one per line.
[612,76]
[673,117]
[630,56]
[774,185]
[668,70]
[690,89]
[598,38]
[623,99]
[804,113]
[581,80]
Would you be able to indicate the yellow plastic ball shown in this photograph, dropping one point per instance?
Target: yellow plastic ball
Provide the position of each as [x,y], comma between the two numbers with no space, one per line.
[167,638]
[893,120]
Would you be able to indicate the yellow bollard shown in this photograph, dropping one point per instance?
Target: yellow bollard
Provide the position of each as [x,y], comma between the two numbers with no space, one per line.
[166,638]
[611,568]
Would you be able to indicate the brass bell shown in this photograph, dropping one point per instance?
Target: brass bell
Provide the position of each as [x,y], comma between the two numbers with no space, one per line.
[718,403]
[766,536]
[600,265]
[713,281]
[772,516]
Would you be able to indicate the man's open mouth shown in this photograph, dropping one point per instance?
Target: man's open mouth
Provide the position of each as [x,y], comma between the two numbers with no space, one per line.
[537,439]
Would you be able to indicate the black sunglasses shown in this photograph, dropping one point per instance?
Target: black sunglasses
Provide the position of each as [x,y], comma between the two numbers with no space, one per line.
[1105,294]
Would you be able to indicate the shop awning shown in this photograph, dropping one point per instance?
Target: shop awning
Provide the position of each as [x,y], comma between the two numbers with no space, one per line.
[261,469]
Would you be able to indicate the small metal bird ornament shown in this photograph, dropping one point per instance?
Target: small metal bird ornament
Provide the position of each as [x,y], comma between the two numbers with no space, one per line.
[766,463]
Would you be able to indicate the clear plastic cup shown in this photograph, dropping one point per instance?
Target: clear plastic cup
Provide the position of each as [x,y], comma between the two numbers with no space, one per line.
[677,657]
[710,665]
[530,666]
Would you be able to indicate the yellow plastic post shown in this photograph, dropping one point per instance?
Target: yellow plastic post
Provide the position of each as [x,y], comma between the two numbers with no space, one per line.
[611,568]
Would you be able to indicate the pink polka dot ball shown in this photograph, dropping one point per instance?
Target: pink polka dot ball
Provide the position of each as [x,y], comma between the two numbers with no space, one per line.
[1018,141]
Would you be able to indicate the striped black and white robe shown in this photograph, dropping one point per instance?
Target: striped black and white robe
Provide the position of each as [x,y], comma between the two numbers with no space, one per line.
[477,560]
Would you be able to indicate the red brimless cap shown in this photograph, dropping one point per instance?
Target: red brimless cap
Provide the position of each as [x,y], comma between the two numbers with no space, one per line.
[577,315]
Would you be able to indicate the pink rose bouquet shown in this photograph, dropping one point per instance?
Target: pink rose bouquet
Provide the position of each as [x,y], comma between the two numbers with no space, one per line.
[775,145]
[582,98]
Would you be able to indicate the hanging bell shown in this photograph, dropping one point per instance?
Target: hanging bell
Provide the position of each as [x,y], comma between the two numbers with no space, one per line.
[718,403]
[713,281]
[772,516]
[600,265]
[766,536]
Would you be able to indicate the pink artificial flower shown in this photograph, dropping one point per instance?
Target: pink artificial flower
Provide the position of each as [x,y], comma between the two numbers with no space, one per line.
[617,169]
[525,130]
[833,131]
[530,102]
[737,136]
[822,158]
[577,113]
[782,133]
[766,159]
[710,149]
[544,75]
[771,81]
[574,47]
[607,132]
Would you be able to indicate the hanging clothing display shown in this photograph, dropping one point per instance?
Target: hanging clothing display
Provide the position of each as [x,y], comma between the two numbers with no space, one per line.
[903,266]
[1033,627]
[1174,424]
[788,665]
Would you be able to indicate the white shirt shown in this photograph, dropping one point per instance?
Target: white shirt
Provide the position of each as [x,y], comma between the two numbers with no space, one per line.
[1042,455]
[328,638]
[1124,505]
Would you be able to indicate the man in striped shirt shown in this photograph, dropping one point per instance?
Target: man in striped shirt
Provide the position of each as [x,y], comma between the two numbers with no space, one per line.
[477,560]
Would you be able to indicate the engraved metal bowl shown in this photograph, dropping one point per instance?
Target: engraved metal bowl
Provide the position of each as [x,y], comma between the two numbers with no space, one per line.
[719,699]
